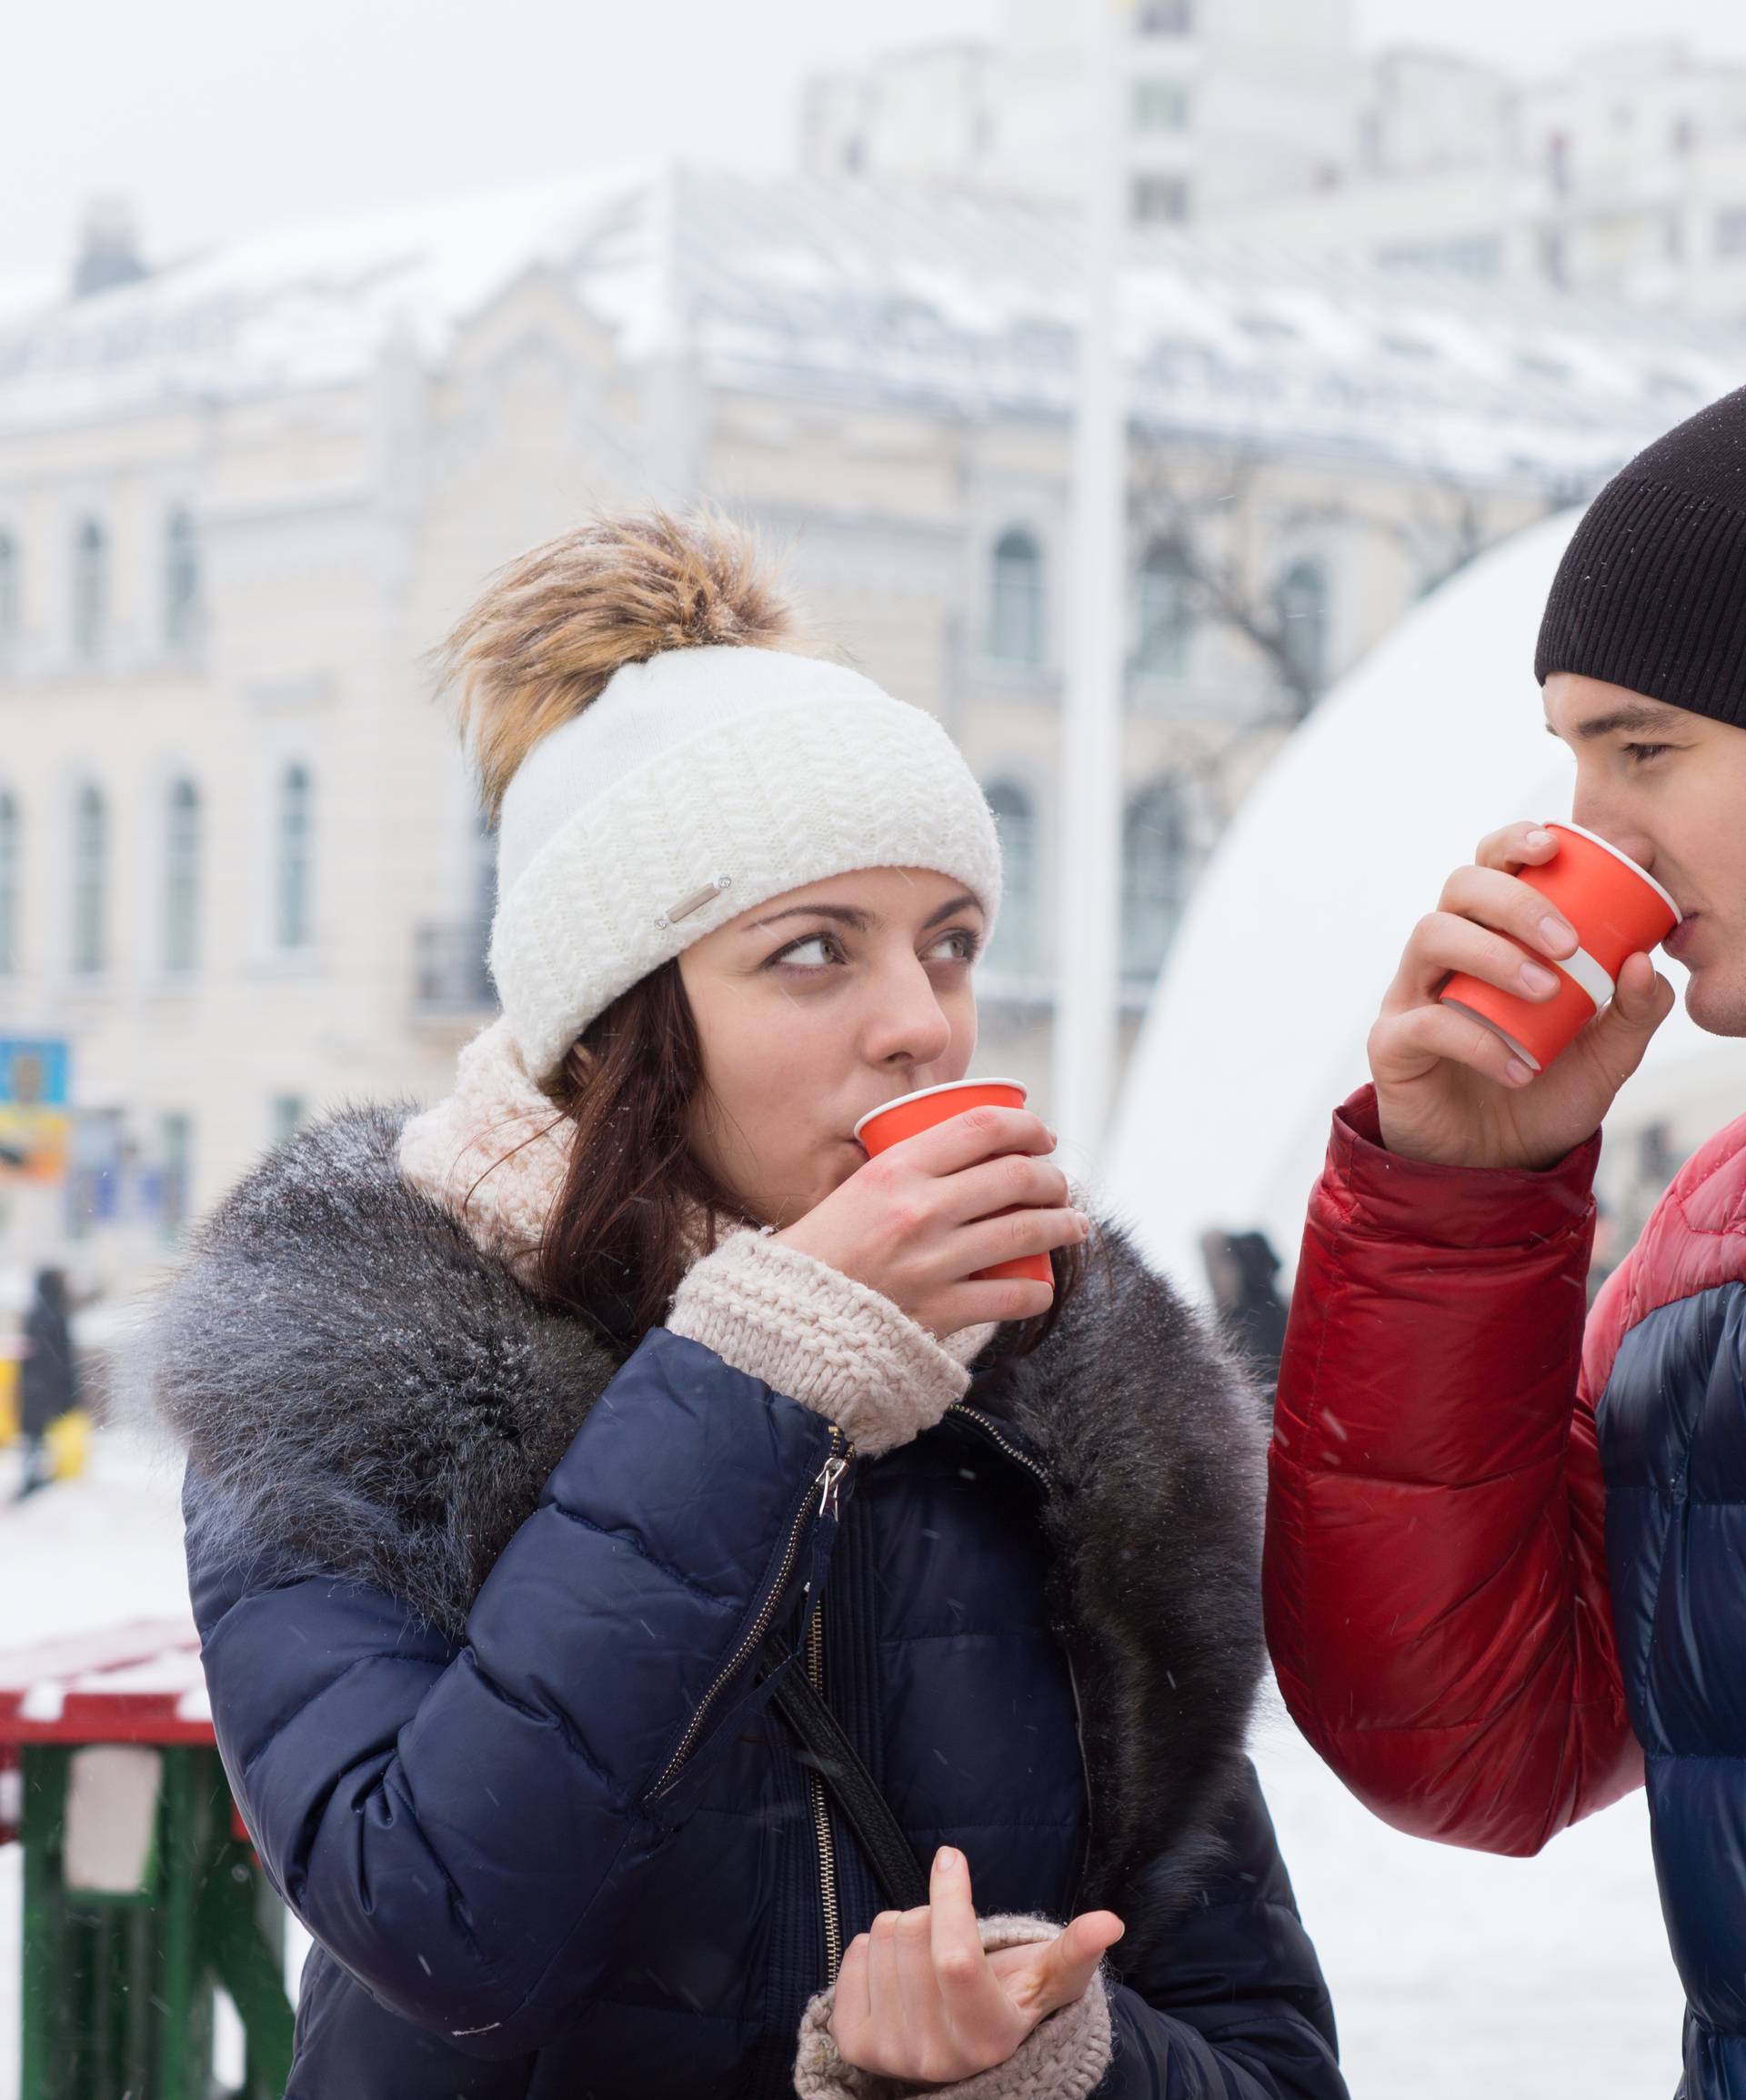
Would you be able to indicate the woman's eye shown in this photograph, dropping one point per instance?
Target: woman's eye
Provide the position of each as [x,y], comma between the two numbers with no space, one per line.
[809,953]
[963,941]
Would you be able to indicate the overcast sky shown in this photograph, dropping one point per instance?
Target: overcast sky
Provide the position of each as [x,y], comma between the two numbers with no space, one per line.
[210,114]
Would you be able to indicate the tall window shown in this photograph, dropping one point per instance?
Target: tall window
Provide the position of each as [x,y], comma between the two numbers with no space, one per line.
[1015,598]
[1160,105]
[1303,623]
[175,1155]
[9,882]
[181,876]
[9,609]
[1164,603]
[1156,868]
[90,589]
[292,871]
[1161,200]
[90,875]
[1014,951]
[181,582]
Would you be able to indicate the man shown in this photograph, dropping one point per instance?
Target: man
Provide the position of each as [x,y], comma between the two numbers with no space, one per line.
[1506,1560]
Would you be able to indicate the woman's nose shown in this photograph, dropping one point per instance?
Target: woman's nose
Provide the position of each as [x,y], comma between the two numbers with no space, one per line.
[911,1027]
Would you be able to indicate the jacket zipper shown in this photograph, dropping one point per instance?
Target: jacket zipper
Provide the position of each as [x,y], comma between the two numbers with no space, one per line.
[822,1812]
[824,1487]
[991,1430]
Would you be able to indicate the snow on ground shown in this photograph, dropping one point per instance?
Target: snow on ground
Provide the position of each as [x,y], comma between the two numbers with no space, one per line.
[1452,1974]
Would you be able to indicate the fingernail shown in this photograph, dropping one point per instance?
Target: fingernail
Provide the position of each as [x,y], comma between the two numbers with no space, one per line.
[1518,1073]
[1555,933]
[946,1858]
[1540,838]
[1538,977]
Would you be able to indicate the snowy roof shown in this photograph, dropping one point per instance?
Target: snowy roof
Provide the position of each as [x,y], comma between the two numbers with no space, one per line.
[804,287]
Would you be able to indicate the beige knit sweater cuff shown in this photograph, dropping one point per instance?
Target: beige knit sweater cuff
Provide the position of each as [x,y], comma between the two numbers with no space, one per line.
[1062,2058]
[807,1331]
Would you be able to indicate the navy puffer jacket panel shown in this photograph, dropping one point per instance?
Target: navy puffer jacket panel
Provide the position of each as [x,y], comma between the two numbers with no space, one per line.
[557,1842]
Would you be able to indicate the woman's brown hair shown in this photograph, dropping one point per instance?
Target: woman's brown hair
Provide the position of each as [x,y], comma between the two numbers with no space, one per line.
[622,1232]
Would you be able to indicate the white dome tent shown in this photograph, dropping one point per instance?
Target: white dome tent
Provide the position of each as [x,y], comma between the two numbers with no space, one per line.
[1258,1027]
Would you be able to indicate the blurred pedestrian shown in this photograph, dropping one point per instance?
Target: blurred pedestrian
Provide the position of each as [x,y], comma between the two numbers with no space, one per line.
[674,1627]
[48,1376]
[1242,1271]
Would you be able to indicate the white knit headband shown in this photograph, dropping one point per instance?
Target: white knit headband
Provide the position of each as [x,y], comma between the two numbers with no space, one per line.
[698,784]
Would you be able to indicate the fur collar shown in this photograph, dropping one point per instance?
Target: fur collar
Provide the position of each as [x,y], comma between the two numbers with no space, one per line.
[366,1391]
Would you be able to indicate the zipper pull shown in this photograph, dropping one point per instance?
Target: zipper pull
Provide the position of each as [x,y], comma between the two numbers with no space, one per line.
[835,1468]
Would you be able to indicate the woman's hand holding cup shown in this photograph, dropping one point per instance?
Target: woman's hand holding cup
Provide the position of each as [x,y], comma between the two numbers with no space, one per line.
[919,1220]
[1449,1089]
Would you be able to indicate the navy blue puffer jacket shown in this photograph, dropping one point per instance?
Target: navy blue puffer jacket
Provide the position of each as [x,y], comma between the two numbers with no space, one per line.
[493,1689]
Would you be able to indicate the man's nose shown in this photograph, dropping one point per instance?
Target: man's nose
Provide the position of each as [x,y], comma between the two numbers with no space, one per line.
[1597,810]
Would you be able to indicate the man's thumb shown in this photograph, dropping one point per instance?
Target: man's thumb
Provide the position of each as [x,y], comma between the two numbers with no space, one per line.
[1642,1002]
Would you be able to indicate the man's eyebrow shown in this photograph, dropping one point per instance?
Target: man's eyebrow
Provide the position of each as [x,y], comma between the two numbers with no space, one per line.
[1638,715]
[857,921]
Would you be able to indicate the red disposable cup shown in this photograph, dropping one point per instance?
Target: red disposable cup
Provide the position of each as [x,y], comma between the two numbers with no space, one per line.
[909,1114]
[1617,909]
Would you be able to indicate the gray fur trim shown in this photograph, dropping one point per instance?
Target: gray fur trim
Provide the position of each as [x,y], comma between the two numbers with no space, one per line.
[1156,1442]
[362,1392]
[365,1393]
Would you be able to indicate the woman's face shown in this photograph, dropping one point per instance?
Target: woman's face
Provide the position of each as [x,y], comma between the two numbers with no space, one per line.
[816,1007]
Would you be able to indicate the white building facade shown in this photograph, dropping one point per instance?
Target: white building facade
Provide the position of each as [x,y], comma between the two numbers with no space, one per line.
[1622,177]
[242,871]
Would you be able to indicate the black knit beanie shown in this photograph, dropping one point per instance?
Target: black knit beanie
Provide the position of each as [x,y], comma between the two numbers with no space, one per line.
[1651,591]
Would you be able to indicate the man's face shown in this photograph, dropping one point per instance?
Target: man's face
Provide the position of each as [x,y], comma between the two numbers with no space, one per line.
[1668,788]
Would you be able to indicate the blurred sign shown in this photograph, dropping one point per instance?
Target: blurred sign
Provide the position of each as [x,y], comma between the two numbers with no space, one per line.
[34,1114]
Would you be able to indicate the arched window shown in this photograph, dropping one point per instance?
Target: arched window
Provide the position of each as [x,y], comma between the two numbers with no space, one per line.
[10,872]
[1164,609]
[1303,623]
[90,879]
[1015,950]
[8,595]
[1156,870]
[181,876]
[90,589]
[1015,598]
[292,871]
[181,582]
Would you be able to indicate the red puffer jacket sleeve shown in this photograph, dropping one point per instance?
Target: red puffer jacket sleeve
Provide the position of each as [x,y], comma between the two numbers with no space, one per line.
[1436,1589]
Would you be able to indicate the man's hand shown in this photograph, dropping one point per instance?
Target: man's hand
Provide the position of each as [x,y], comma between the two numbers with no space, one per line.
[1450,1091]
[917,1998]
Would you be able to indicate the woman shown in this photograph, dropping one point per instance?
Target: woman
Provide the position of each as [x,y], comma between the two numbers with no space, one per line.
[536,1440]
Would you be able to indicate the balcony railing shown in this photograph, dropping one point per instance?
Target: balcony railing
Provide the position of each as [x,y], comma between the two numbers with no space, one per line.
[449,971]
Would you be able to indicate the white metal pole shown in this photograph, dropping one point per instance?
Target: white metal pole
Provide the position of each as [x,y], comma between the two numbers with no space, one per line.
[1088,887]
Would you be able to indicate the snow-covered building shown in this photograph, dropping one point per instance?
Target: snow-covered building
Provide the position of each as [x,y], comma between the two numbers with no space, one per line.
[241,869]
[1622,175]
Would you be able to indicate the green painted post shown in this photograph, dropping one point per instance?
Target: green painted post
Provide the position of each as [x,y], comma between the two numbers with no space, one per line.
[181,2058]
[44,2037]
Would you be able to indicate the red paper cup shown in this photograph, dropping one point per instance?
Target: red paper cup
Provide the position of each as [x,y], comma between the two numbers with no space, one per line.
[1618,911]
[911,1113]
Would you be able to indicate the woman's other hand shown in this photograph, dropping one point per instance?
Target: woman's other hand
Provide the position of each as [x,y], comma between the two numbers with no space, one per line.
[917,1223]
[918,1999]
